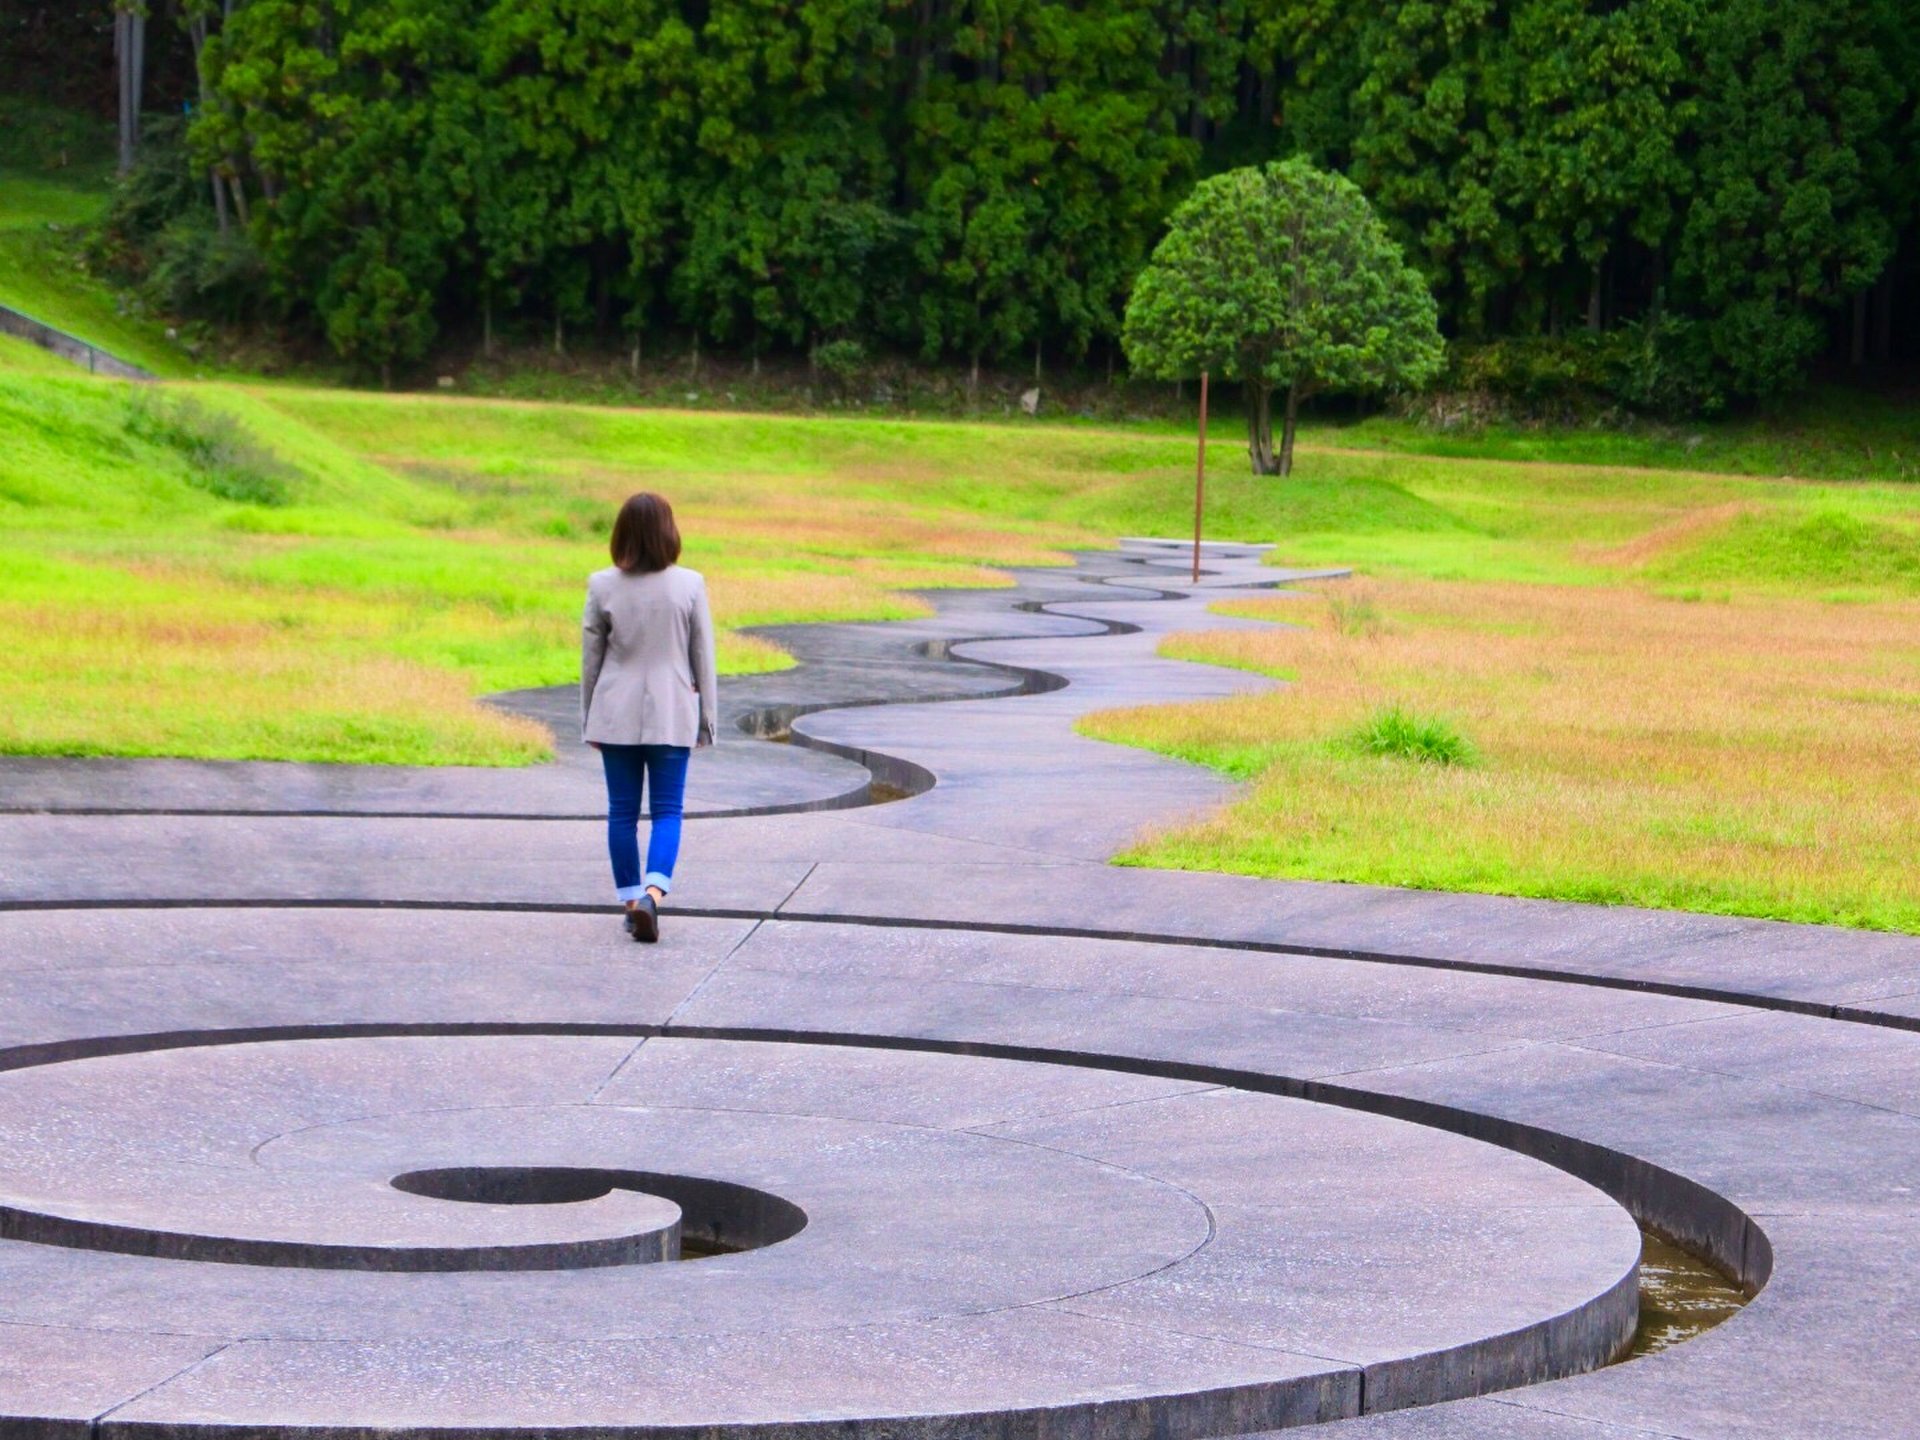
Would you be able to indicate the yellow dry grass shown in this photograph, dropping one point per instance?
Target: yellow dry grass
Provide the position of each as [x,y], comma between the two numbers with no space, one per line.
[159,681]
[866,525]
[1754,756]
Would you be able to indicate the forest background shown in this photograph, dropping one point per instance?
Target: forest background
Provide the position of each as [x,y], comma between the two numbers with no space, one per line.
[1682,205]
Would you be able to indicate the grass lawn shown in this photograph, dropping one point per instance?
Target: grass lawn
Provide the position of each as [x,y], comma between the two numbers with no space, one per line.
[1657,688]
[1674,688]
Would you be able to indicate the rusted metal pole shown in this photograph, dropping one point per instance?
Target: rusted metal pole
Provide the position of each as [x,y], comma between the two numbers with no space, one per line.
[1200,478]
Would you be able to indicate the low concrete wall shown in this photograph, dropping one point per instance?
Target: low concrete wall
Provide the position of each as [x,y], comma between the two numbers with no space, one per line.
[68,347]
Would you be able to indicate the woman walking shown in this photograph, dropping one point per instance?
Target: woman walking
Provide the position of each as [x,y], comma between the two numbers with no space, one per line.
[647,696]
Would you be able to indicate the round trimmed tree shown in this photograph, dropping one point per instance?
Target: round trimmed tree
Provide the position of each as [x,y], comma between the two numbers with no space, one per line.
[1281,277]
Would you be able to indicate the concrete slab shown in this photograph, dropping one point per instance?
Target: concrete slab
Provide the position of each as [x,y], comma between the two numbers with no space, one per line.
[56,1381]
[1812,966]
[1495,1418]
[1490,1005]
[1864,1063]
[1023,1374]
[1772,1149]
[81,860]
[927,1235]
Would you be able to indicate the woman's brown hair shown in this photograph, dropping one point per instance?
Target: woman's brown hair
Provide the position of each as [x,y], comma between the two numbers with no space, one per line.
[644,535]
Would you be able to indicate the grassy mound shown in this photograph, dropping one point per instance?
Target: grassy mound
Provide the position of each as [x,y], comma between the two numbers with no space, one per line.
[130,521]
[1825,548]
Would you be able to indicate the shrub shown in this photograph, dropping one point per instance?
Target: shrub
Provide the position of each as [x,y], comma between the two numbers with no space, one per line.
[1539,372]
[1667,365]
[1402,735]
[194,269]
[841,361]
[222,459]
[1664,365]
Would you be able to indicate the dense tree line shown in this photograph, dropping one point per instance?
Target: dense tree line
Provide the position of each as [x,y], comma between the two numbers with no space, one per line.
[1719,187]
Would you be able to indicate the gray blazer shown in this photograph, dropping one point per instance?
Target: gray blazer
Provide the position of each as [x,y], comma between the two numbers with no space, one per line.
[646,659]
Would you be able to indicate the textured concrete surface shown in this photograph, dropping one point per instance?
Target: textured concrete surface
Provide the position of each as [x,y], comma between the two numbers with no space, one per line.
[1081,1151]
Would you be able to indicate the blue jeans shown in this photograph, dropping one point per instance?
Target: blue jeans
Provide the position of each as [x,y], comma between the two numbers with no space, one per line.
[662,770]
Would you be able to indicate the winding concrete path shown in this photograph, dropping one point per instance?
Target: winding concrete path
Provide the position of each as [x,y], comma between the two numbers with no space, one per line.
[1079,1150]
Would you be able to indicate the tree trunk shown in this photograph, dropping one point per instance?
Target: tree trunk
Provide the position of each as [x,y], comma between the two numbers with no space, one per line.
[486,324]
[693,370]
[129,50]
[197,34]
[559,332]
[139,26]
[1593,299]
[1260,427]
[633,363]
[973,380]
[1286,433]
[1036,362]
[239,197]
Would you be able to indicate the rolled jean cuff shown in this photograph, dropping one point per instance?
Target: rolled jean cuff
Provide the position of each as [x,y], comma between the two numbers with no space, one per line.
[662,883]
[630,892]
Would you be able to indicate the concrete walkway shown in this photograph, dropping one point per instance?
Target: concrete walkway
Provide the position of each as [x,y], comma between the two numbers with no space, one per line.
[1078,1150]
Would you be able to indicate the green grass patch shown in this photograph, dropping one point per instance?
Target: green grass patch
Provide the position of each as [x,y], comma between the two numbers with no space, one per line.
[1354,614]
[1395,733]
[1338,497]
